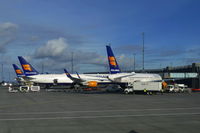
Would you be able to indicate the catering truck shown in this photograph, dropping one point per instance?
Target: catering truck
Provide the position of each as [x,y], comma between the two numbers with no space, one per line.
[146,87]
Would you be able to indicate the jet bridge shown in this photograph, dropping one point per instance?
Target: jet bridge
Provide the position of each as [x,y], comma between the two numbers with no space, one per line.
[180,75]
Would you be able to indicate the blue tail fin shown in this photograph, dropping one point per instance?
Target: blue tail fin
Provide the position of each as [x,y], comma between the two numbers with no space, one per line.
[18,71]
[27,67]
[114,68]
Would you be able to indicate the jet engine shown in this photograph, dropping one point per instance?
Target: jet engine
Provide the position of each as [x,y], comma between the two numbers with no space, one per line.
[92,84]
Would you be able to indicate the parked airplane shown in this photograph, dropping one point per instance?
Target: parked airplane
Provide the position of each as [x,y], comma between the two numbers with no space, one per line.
[34,77]
[124,78]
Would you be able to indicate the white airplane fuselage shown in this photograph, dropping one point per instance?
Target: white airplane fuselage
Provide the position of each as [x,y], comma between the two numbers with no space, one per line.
[135,77]
[100,78]
[63,79]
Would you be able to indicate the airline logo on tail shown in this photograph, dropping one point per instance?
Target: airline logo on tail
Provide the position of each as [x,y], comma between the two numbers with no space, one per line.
[112,61]
[18,71]
[27,67]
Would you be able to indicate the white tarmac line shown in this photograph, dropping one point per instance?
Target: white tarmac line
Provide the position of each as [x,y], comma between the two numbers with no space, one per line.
[94,117]
[101,111]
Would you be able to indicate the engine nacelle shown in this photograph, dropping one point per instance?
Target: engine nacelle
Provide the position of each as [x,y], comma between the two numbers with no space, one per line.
[92,84]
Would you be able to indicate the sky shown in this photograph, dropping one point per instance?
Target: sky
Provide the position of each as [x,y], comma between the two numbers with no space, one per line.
[48,32]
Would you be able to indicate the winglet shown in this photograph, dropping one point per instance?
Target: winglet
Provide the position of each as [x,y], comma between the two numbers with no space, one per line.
[74,79]
[68,74]
[78,75]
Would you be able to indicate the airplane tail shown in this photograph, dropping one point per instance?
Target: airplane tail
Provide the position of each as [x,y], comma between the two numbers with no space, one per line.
[18,71]
[114,67]
[27,67]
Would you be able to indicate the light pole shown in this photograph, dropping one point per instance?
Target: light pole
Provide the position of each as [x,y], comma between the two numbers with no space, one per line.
[134,61]
[2,76]
[72,61]
[143,51]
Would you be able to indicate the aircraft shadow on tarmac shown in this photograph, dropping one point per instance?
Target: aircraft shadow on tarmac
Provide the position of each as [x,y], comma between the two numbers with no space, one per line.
[132,131]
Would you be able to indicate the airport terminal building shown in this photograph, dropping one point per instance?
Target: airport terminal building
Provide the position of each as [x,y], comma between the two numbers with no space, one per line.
[188,75]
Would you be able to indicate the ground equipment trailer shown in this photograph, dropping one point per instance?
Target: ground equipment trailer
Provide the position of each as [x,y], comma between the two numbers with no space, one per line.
[146,87]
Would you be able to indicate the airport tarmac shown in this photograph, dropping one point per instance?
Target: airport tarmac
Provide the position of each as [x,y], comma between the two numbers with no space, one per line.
[62,112]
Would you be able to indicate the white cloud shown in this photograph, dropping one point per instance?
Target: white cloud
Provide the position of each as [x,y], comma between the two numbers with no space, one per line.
[7,34]
[56,54]
[121,57]
[125,62]
[53,48]
[8,28]
[8,25]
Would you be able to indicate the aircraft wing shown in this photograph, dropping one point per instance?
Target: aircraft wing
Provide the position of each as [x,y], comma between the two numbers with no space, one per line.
[27,78]
[118,78]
